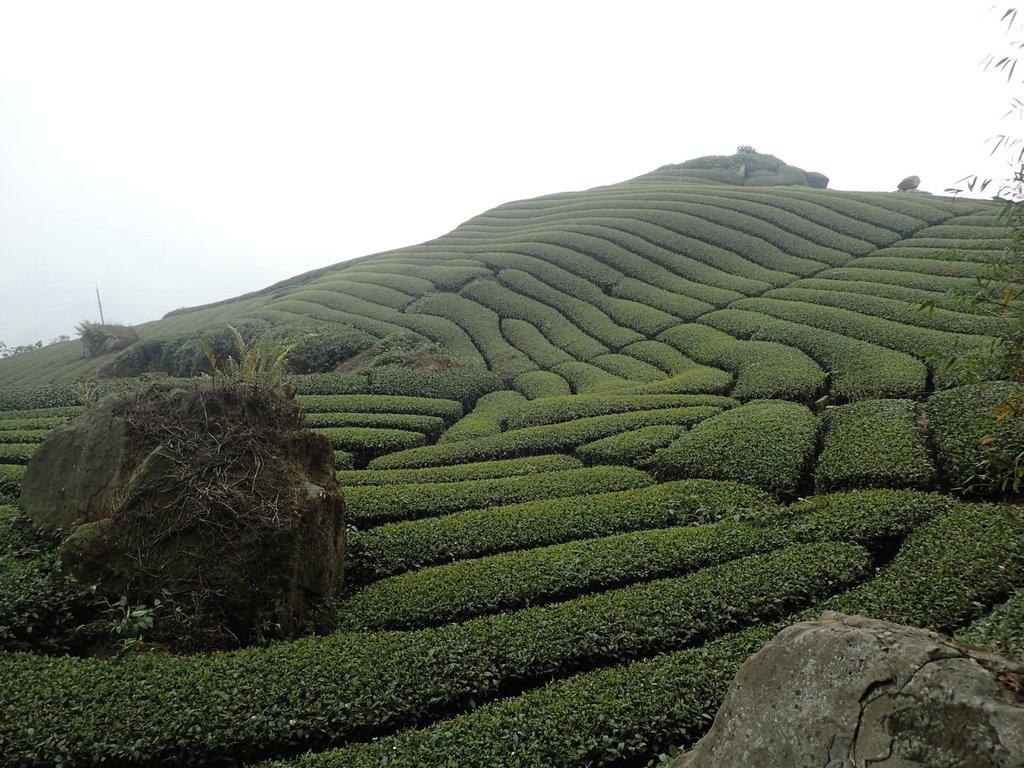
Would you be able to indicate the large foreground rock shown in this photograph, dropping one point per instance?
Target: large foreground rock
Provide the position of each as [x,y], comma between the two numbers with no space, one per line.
[846,691]
[210,500]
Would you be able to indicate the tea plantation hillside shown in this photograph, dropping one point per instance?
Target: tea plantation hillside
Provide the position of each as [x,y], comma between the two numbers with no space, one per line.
[597,448]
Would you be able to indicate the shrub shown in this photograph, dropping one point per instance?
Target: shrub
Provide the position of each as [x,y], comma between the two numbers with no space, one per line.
[977,451]
[630,448]
[628,368]
[1001,631]
[660,355]
[17,453]
[586,378]
[552,410]
[342,686]
[431,426]
[948,572]
[873,444]
[549,438]
[525,337]
[331,383]
[464,383]
[537,384]
[366,443]
[480,471]
[449,410]
[766,443]
[486,418]
[399,547]
[372,505]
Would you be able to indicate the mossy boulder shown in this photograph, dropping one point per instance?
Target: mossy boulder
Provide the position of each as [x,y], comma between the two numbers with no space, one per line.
[211,499]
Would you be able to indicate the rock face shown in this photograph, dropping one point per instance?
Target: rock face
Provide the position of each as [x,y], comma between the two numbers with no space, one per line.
[210,499]
[849,691]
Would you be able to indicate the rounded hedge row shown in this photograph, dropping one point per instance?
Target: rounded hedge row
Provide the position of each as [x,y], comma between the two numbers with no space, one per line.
[486,418]
[322,690]
[449,410]
[630,448]
[548,438]
[552,410]
[474,471]
[372,505]
[873,444]
[765,443]
[537,384]
[395,548]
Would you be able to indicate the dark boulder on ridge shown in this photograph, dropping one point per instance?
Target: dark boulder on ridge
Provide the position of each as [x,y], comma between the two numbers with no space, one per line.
[849,691]
[210,499]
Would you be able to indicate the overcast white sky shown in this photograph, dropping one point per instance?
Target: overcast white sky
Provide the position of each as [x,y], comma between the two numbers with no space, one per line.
[179,153]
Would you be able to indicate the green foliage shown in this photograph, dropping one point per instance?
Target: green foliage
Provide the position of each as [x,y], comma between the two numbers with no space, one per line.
[431,426]
[948,572]
[763,369]
[549,438]
[260,364]
[766,443]
[366,443]
[535,384]
[629,368]
[373,505]
[393,549]
[479,471]
[17,453]
[698,379]
[334,383]
[339,687]
[1001,631]
[978,443]
[874,444]
[551,410]
[630,448]
[486,418]
[465,383]
[449,410]
[586,378]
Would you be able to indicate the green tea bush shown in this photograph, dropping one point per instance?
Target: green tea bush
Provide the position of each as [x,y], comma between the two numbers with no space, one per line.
[948,572]
[552,410]
[335,383]
[537,384]
[61,413]
[486,418]
[586,378]
[449,410]
[526,338]
[976,450]
[873,444]
[630,448]
[366,443]
[17,453]
[763,369]
[464,383]
[330,689]
[630,712]
[400,547]
[549,438]
[373,505]
[13,424]
[766,443]
[628,368]
[661,355]
[859,370]
[431,426]
[921,265]
[1001,631]
[696,380]
[679,306]
[10,479]
[23,435]
[483,470]
[514,580]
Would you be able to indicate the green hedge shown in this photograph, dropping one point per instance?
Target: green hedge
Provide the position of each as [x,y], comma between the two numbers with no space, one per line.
[552,410]
[549,438]
[17,453]
[859,370]
[766,443]
[763,369]
[536,384]
[334,383]
[47,422]
[486,418]
[661,355]
[464,383]
[625,714]
[585,378]
[873,444]
[393,549]
[949,571]
[966,433]
[366,443]
[525,337]
[513,580]
[10,479]
[372,505]
[630,448]
[679,306]
[23,435]
[63,413]
[449,410]
[347,686]
[628,367]
[479,471]
[1001,631]
[431,426]
[700,379]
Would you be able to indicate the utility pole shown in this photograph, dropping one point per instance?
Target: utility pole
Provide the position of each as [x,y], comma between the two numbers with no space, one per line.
[100,304]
